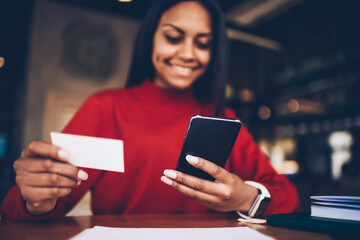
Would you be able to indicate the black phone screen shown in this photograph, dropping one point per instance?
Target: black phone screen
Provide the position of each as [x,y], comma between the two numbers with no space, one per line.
[211,138]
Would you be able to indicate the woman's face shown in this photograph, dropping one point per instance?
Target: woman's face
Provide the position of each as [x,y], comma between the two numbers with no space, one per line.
[182,45]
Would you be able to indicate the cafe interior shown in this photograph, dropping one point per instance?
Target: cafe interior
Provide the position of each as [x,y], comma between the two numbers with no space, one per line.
[294,78]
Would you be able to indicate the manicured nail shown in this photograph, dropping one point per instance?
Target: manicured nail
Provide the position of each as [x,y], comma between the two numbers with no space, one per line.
[192,159]
[82,175]
[170,174]
[166,180]
[63,154]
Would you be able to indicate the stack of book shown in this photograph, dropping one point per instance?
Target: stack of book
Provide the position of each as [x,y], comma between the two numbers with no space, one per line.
[338,216]
[336,207]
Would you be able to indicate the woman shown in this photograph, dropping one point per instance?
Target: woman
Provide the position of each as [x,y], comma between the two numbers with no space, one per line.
[178,70]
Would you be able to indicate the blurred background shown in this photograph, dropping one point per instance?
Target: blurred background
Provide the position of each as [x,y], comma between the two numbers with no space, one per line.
[294,78]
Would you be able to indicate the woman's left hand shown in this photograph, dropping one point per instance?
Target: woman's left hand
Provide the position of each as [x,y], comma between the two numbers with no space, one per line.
[227,193]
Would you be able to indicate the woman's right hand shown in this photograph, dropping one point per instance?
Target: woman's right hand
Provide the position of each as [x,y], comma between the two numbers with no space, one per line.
[44,174]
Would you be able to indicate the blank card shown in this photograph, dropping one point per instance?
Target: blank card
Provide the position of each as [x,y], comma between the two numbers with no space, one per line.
[92,152]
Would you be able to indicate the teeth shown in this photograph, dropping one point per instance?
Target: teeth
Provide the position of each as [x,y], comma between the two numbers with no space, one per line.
[182,70]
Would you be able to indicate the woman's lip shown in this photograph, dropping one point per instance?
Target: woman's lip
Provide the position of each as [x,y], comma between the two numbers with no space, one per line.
[192,67]
[182,71]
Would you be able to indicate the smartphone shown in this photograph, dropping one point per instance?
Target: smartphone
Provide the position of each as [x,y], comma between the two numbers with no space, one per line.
[211,138]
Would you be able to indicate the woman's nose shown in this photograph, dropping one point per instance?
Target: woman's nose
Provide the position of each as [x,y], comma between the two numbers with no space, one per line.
[187,51]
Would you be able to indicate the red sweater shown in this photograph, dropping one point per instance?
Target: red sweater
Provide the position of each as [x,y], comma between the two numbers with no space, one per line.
[152,122]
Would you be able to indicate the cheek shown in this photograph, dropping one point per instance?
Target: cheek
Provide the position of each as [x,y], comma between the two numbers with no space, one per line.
[204,57]
[155,55]
[162,51]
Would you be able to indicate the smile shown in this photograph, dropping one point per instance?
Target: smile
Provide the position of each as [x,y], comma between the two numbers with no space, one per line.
[182,70]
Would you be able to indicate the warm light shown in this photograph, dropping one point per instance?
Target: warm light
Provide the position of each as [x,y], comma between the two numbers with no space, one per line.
[246,95]
[288,167]
[279,152]
[229,91]
[125,0]
[265,147]
[311,107]
[293,105]
[2,62]
[264,112]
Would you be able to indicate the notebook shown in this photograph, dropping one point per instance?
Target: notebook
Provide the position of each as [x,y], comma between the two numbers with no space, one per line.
[336,207]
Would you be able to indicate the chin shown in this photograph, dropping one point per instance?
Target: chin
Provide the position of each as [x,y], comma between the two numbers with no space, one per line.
[181,84]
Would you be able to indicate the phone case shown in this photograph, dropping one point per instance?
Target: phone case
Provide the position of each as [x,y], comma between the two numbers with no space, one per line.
[211,138]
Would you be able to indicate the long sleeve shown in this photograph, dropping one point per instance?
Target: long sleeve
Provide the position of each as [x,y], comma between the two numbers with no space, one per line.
[152,123]
[85,122]
[13,207]
[250,163]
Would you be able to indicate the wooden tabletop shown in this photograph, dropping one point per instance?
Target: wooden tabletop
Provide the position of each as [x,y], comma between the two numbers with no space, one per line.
[70,226]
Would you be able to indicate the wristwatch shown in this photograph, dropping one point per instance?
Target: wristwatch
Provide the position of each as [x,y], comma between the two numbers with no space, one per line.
[260,203]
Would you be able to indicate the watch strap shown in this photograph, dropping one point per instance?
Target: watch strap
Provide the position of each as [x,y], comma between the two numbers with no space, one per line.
[260,203]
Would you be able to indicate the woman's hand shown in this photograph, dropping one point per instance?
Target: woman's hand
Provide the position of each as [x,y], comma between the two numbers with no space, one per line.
[44,174]
[227,193]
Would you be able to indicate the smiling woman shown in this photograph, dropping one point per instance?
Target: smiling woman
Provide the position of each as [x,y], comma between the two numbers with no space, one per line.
[182,50]
[178,70]
[207,36]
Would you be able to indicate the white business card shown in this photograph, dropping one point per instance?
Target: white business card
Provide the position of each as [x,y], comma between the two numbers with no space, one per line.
[92,152]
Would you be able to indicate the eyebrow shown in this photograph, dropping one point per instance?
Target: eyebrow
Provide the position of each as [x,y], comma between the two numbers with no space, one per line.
[182,31]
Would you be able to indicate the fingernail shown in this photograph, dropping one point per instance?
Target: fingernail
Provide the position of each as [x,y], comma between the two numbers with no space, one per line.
[192,159]
[63,154]
[82,175]
[170,174]
[166,180]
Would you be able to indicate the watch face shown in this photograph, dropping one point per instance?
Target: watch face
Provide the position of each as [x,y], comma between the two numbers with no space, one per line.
[262,208]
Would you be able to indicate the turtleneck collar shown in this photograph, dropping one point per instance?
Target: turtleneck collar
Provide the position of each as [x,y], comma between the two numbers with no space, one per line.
[153,94]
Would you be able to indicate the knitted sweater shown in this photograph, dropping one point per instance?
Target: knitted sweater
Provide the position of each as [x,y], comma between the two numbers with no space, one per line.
[152,122]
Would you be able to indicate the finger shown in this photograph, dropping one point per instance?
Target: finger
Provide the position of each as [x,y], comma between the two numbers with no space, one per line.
[214,170]
[46,180]
[38,148]
[37,194]
[194,182]
[191,193]
[34,165]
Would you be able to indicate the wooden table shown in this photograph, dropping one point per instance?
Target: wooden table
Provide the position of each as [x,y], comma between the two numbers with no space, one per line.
[70,226]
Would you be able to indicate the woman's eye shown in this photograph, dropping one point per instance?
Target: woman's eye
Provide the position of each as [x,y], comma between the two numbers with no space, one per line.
[173,40]
[203,45]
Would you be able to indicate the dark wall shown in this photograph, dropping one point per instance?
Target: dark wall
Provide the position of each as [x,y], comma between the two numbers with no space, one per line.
[15,24]
[319,67]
